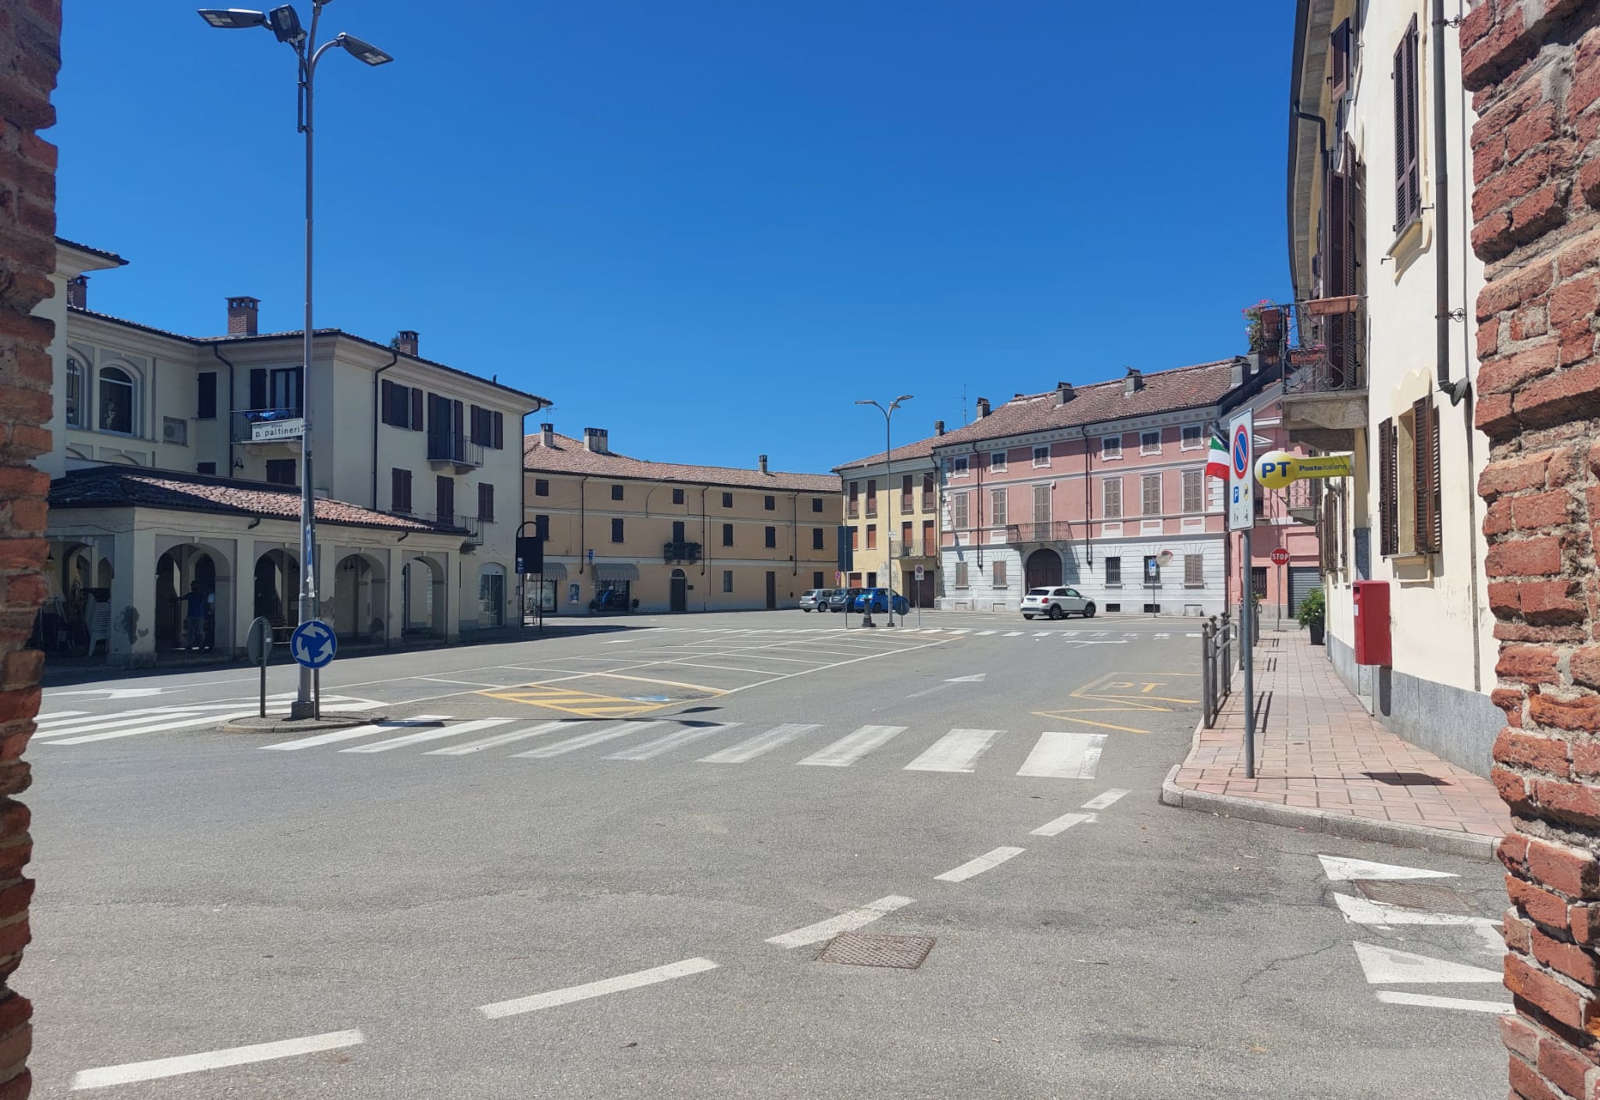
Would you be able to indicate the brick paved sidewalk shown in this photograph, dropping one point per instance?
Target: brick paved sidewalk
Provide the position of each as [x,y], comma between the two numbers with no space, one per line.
[1323,762]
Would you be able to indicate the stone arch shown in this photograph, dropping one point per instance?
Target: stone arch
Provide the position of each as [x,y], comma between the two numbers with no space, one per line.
[424,593]
[360,598]
[1043,568]
[183,568]
[276,590]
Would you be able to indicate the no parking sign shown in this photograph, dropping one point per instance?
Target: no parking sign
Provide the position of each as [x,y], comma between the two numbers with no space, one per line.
[1241,497]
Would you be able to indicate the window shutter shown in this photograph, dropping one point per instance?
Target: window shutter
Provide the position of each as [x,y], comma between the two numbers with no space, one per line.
[416,409]
[258,388]
[499,431]
[1339,60]
[1388,535]
[1422,474]
[1407,178]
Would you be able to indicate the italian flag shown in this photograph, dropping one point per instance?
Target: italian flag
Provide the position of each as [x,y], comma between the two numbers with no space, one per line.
[1217,459]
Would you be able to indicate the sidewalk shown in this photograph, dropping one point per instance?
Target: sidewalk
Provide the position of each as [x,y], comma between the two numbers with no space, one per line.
[1323,763]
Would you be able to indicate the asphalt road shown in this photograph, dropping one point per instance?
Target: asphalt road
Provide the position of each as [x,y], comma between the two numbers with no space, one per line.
[590,865]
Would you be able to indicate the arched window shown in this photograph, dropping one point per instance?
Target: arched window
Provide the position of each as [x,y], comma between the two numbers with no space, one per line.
[76,406]
[116,400]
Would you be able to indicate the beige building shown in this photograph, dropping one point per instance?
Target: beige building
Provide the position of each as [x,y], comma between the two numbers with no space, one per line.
[623,532]
[892,511]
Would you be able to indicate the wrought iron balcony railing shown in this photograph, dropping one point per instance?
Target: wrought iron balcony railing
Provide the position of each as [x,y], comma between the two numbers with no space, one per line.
[685,552]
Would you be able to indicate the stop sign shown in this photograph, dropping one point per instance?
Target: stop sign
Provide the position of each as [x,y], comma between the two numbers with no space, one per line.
[1280,556]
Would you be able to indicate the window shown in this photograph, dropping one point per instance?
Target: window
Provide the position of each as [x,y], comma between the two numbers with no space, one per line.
[727,534]
[487,428]
[872,536]
[927,492]
[283,389]
[997,507]
[677,531]
[77,406]
[772,538]
[930,546]
[872,496]
[816,580]
[1149,443]
[485,502]
[999,574]
[1409,482]
[958,511]
[541,527]
[905,493]
[1111,498]
[616,530]
[1041,457]
[1194,571]
[175,429]
[541,487]
[1150,488]
[1339,60]
[616,492]
[816,504]
[206,402]
[205,468]
[1041,507]
[116,401]
[401,406]
[677,496]
[727,500]
[854,508]
[444,495]
[1113,572]
[1111,446]
[997,460]
[816,538]
[1258,581]
[280,471]
[770,503]
[1193,437]
[399,490]
[905,538]
[961,574]
[855,534]
[727,580]
[1407,177]
[958,466]
[1193,490]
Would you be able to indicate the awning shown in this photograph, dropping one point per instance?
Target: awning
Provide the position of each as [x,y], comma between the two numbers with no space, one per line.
[608,571]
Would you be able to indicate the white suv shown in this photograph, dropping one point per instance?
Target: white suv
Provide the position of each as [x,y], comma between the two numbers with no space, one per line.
[1056,603]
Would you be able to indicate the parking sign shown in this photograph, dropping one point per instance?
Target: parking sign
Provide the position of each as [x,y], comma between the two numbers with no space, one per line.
[1241,494]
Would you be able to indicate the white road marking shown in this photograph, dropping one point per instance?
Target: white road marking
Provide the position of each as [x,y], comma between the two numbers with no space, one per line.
[853,746]
[985,633]
[335,736]
[1461,1004]
[1064,756]
[112,693]
[1063,823]
[429,735]
[978,866]
[844,922]
[1163,635]
[500,739]
[760,744]
[1046,633]
[1102,801]
[131,718]
[1013,634]
[618,984]
[956,751]
[1341,869]
[963,630]
[671,741]
[165,727]
[1386,966]
[583,741]
[216,1059]
[1191,635]
[975,678]
[1362,911]
[56,716]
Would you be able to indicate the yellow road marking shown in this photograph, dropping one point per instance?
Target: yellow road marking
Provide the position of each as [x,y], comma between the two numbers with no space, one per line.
[1087,722]
[582,703]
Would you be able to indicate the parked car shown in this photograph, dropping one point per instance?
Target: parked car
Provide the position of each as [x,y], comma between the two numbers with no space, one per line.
[815,599]
[843,598]
[879,600]
[1056,603]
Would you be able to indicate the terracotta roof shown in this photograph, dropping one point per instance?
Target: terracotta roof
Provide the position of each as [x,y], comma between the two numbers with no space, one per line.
[922,448]
[124,486]
[569,456]
[1101,402]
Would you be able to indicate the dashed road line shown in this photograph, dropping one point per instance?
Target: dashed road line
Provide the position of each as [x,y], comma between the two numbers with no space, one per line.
[215,1059]
[1102,801]
[1063,823]
[556,997]
[985,862]
[845,922]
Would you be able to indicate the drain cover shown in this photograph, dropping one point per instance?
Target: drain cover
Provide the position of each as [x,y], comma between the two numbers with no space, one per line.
[858,949]
[1413,895]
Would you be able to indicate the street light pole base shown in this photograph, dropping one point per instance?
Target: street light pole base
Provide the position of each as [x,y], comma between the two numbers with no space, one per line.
[306,709]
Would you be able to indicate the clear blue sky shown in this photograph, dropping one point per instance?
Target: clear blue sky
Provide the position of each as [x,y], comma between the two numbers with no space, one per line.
[707,227]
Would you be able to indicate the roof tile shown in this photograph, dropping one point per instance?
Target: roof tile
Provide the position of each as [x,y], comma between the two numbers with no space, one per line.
[570,456]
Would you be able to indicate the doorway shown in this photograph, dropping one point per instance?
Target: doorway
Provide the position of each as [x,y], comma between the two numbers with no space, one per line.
[1043,569]
[680,591]
[772,590]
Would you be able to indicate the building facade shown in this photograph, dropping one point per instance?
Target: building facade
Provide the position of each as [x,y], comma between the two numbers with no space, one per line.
[892,512]
[175,465]
[626,534]
[1380,216]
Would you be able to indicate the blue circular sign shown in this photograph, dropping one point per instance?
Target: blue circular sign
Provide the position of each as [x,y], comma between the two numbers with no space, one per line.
[313,643]
[1241,451]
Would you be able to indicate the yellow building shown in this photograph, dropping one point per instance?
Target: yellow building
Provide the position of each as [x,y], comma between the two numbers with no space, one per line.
[660,536]
[892,512]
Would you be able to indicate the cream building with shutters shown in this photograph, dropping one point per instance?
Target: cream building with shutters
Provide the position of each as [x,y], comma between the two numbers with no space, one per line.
[892,513]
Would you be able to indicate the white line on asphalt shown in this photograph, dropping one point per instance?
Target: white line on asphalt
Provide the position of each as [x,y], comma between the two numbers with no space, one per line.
[956,751]
[429,735]
[1461,1004]
[1059,755]
[215,1059]
[845,922]
[853,746]
[760,744]
[978,866]
[110,735]
[1362,911]
[1101,801]
[56,716]
[1063,823]
[1341,869]
[1046,633]
[984,633]
[132,718]
[963,630]
[500,739]
[671,741]
[583,741]
[1013,634]
[356,732]
[618,984]
[1386,966]
[464,683]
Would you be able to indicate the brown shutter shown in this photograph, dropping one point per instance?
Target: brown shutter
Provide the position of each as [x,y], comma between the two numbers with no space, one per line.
[1422,475]
[1407,178]
[500,434]
[416,409]
[1339,60]
[1388,535]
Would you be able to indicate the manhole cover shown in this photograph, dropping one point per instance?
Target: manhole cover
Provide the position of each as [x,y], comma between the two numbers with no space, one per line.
[858,949]
[1407,779]
[1413,895]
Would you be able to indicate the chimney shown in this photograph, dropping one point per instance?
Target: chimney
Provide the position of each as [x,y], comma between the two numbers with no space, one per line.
[938,427]
[594,439]
[1064,392]
[547,435]
[78,292]
[761,462]
[1236,373]
[405,341]
[242,316]
[983,407]
[1133,382]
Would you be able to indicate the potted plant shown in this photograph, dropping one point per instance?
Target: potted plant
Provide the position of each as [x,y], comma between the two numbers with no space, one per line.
[1313,614]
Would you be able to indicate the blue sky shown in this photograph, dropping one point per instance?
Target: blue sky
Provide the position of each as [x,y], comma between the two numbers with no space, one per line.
[708,227]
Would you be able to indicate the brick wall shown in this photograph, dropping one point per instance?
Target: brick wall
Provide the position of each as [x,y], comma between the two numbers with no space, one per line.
[1534,69]
[30,37]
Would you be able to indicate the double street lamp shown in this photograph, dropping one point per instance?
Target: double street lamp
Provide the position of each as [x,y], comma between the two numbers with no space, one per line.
[888,499]
[284,23]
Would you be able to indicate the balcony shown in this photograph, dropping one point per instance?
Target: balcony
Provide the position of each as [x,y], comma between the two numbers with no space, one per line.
[450,451]
[1324,377]
[685,553]
[268,425]
[1059,530]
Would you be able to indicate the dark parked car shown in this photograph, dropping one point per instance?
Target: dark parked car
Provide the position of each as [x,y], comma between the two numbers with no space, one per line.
[843,598]
[879,598]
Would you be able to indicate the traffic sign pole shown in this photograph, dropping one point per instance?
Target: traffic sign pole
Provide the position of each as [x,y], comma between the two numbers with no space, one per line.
[1242,517]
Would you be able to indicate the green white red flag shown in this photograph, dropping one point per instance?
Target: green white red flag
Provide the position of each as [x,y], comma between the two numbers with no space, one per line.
[1217,458]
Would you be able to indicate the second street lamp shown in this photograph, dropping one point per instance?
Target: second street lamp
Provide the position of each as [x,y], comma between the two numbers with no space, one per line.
[888,499]
[284,23]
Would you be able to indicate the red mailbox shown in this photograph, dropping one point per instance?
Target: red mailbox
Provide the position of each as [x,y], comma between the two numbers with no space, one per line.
[1372,623]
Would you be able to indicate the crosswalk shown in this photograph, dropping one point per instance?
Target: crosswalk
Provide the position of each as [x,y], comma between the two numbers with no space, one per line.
[888,634]
[72,727]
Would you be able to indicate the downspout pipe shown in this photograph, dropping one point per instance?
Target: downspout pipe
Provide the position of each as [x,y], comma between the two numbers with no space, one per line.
[229,364]
[1441,203]
[377,416]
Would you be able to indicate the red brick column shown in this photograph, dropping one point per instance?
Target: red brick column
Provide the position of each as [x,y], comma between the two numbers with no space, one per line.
[30,43]
[1534,66]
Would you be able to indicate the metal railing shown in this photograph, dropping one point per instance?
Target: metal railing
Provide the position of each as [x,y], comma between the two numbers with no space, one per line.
[1059,530]
[688,552]
[449,447]
[1217,644]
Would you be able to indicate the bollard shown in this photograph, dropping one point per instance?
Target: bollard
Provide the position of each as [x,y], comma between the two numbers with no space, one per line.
[1205,672]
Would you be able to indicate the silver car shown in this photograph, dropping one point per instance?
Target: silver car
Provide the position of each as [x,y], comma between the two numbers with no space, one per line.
[1056,603]
[815,599]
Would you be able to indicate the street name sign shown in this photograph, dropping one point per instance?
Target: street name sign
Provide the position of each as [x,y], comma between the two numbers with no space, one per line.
[265,430]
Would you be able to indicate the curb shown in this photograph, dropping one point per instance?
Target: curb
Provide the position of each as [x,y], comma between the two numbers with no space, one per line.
[255,724]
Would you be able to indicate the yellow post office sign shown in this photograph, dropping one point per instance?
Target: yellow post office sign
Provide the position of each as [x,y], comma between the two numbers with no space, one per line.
[1276,469]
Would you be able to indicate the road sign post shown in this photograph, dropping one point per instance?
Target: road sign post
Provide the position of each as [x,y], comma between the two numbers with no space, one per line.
[258,643]
[1280,558]
[916,595]
[1241,518]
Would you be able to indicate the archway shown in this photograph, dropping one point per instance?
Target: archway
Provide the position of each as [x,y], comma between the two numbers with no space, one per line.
[1043,569]
[423,597]
[191,609]
[360,599]
[491,596]
[276,586]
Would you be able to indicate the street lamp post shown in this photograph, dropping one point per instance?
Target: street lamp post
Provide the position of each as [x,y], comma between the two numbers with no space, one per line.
[888,498]
[284,23]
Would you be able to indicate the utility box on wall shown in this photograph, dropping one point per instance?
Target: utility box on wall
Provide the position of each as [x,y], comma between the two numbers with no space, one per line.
[1372,623]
